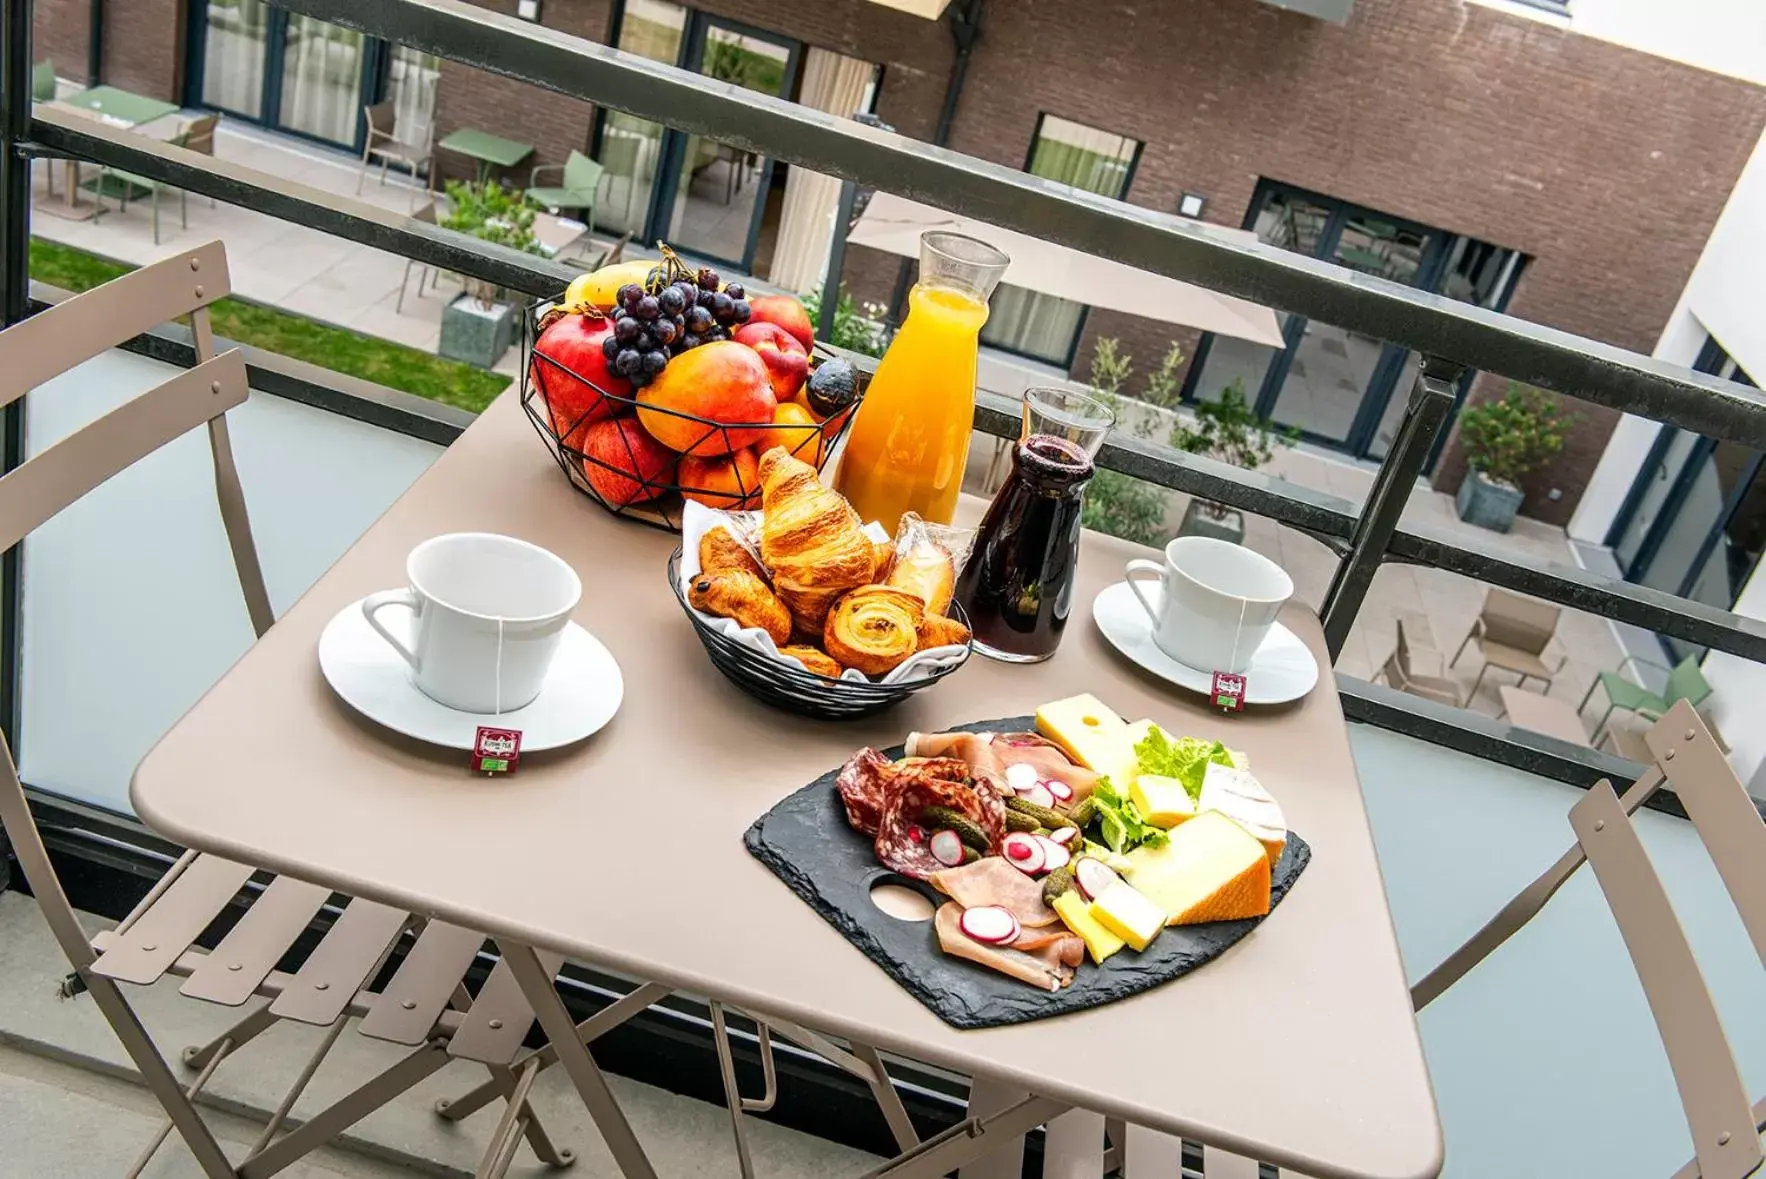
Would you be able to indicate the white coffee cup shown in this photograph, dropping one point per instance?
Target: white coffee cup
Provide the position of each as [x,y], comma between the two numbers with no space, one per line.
[1217,601]
[487,614]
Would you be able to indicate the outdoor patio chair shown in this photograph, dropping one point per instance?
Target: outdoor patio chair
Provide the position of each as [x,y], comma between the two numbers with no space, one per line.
[393,144]
[199,136]
[622,156]
[1686,681]
[1683,755]
[1512,633]
[43,90]
[579,181]
[423,1004]
[1415,665]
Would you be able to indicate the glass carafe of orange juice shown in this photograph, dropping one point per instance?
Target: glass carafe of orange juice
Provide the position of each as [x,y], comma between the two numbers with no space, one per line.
[908,445]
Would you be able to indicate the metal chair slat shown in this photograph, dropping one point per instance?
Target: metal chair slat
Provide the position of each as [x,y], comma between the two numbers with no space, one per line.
[340,964]
[150,946]
[244,958]
[494,1028]
[419,992]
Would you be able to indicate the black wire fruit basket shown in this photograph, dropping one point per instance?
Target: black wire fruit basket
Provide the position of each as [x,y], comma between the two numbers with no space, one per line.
[787,685]
[641,459]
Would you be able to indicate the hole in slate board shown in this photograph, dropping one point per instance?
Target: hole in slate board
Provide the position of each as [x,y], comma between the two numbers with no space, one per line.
[895,896]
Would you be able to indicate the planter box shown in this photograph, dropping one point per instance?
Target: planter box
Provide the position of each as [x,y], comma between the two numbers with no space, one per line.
[1486,503]
[1198,522]
[476,334]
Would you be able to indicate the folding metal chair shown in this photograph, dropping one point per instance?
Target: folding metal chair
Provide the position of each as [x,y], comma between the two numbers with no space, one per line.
[424,1004]
[1512,633]
[1725,1129]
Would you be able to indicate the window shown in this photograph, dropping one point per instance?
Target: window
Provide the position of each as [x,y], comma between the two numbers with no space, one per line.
[1028,322]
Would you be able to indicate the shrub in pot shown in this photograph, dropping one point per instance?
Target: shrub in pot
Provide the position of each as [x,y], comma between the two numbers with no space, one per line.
[1228,430]
[479,327]
[1505,441]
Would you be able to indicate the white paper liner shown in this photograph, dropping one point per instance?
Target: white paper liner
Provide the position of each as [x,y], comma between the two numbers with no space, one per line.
[697,520]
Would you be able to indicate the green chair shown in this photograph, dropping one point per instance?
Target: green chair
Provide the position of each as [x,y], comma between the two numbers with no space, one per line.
[43,81]
[1685,682]
[579,178]
[197,136]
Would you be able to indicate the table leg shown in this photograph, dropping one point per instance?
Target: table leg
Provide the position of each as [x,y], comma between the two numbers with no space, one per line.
[1006,1161]
[555,1021]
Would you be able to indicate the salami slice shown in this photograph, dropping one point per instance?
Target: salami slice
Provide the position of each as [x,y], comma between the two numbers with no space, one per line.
[864,783]
[897,845]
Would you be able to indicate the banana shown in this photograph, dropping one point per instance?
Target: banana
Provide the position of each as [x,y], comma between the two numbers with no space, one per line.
[600,289]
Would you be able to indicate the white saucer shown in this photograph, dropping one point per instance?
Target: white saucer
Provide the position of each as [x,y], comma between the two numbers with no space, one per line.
[582,692]
[1282,670]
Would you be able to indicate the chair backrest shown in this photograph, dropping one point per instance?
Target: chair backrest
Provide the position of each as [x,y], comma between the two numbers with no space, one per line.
[1416,651]
[581,174]
[1724,1126]
[620,154]
[199,135]
[58,339]
[382,118]
[1518,622]
[43,81]
[1686,682]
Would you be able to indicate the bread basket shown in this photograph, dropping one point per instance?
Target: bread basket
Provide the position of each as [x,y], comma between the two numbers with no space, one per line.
[786,685]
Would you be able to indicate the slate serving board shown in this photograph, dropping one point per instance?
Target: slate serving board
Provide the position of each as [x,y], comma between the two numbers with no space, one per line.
[807,843]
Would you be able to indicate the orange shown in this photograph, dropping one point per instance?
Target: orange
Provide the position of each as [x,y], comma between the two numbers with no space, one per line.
[804,443]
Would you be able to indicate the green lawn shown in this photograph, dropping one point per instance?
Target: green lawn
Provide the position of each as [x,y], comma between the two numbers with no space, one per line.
[283,332]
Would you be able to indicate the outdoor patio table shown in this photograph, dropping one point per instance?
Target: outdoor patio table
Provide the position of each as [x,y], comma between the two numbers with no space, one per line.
[111,105]
[1297,1047]
[489,150]
[1543,714]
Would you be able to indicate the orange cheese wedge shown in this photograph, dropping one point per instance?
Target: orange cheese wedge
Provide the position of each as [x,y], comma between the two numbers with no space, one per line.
[1210,869]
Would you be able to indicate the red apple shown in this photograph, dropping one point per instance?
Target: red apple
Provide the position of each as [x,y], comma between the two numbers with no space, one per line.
[787,362]
[568,356]
[624,464]
[785,311]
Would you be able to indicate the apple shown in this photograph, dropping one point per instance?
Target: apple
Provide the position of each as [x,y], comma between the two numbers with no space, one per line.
[729,482]
[571,372]
[787,361]
[624,464]
[785,311]
[710,400]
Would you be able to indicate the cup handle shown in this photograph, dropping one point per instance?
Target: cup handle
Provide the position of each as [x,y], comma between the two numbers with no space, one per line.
[374,603]
[1141,565]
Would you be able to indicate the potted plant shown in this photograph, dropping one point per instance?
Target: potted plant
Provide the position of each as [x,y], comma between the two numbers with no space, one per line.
[479,326]
[1228,430]
[1505,441]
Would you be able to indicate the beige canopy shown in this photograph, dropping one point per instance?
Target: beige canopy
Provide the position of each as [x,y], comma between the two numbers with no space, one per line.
[894,224]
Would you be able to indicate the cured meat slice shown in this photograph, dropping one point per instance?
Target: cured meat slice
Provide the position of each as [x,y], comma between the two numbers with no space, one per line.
[1053,945]
[864,785]
[902,840]
[989,755]
[1043,969]
[992,881]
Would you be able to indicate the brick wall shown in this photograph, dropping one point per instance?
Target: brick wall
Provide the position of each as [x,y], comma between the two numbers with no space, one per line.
[59,31]
[144,46]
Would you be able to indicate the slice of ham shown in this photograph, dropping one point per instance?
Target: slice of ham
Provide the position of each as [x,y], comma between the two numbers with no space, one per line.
[863,783]
[1059,945]
[910,793]
[988,755]
[1044,969]
[992,881]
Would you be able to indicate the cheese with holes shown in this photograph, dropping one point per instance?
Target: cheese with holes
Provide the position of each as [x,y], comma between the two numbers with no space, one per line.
[1163,802]
[1130,915]
[1242,798]
[1075,913]
[1209,869]
[1091,735]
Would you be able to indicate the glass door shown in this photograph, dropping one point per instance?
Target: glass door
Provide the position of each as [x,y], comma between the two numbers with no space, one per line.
[719,192]
[631,149]
[322,68]
[234,38]
[293,73]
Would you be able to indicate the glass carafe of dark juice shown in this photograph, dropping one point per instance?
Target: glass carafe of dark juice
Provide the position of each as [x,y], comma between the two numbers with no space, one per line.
[1018,585]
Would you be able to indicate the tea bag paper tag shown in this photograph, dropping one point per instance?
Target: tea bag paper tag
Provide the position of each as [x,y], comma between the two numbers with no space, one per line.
[496,751]
[1228,691]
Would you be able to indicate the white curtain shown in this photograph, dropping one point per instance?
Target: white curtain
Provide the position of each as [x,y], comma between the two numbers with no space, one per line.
[834,83]
[321,79]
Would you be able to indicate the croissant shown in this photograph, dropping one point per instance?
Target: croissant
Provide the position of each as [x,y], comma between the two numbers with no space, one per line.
[938,631]
[814,660]
[874,628]
[743,597]
[719,552]
[810,538]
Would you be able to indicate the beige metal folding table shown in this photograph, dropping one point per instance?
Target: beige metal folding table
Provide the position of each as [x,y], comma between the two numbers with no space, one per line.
[1298,1047]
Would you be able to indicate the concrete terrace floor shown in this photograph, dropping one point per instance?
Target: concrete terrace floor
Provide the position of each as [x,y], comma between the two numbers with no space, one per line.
[317,275]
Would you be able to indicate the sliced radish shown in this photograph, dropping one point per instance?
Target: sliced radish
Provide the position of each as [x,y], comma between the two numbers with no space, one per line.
[990,923]
[1054,855]
[917,834]
[1023,851]
[1021,776]
[1039,794]
[1064,835]
[1061,791]
[1093,877]
[946,848]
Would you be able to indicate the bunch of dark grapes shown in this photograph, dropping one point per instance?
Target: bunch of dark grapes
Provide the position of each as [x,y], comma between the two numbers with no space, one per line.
[664,317]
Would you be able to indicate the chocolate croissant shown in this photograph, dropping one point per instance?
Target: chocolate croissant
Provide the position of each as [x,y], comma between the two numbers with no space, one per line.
[874,628]
[720,552]
[743,597]
[811,540]
[938,631]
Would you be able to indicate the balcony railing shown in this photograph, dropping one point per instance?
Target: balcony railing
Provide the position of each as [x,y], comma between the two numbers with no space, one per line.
[1450,336]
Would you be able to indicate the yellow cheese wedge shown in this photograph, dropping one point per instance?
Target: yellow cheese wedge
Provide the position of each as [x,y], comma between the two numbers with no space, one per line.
[1129,915]
[1091,735]
[1163,802]
[1075,913]
[1242,798]
[1210,869]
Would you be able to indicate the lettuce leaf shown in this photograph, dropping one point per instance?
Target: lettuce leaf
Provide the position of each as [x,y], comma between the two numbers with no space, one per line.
[1119,824]
[1186,759]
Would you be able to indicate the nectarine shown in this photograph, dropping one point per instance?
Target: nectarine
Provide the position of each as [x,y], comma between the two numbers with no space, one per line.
[786,360]
[785,311]
[624,464]
[571,372]
[803,440]
[723,383]
[730,482]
